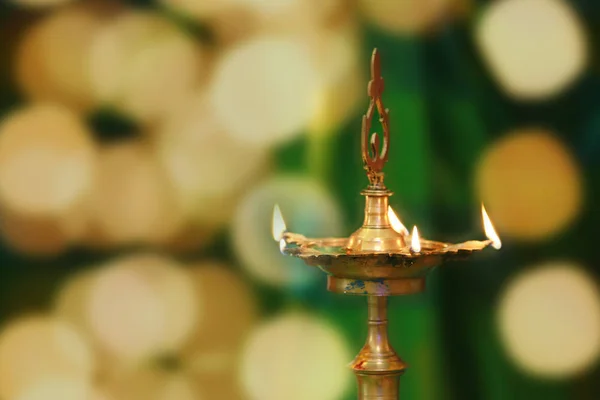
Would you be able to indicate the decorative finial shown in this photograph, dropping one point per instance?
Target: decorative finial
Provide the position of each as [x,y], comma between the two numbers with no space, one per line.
[374,154]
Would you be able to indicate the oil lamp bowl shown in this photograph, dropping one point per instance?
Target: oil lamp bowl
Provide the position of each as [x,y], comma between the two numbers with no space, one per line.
[376,273]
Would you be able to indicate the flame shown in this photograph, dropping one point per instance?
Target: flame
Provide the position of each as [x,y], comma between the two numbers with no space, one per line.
[490,232]
[282,245]
[415,242]
[397,225]
[278,224]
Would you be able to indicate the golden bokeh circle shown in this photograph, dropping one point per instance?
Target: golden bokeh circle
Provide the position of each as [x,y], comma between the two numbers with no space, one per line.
[549,320]
[36,348]
[229,311]
[534,48]
[47,160]
[253,95]
[295,357]
[530,184]
[140,306]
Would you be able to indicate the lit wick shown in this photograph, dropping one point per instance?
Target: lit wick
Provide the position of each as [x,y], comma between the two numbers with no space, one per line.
[490,232]
[395,222]
[278,228]
[415,242]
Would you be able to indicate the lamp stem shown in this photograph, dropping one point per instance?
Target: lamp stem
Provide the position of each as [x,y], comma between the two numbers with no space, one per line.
[377,367]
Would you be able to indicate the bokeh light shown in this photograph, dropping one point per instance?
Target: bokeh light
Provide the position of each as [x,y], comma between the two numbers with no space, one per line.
[46,160]
[549,318]
[229,312]
[406,16]
[36,236]
[119,60]
[530,184]
[71,303]
[296,357]
[153,384]
[40,3]
[253,95]
[200,9]
[178,293]
[57,388]
[126,314]
[144,144]
[294,16]
[37,349]
[342,77]
[307,208]
[141,306]
[132,200]
[52,62]
[534,48]
[207,168]
[222,292]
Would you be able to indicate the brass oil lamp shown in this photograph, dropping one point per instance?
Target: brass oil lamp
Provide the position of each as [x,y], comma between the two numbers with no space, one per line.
[378,260]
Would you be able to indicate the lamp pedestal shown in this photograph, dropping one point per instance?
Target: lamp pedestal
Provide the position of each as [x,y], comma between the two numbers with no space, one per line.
[377,367]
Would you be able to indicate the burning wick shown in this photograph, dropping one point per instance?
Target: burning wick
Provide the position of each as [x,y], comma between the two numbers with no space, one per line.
[490,232]
[415,242]
[397,225]
[282,245]
[279,228]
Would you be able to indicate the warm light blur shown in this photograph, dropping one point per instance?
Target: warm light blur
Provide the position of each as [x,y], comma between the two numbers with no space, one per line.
[279,360]
[150,150]
[407,16]
[39,348]
[415,241]
[490,232]
[142,305]
[119,61]
[229,311]
[531,183]
[40,3]
[61,388]
[253,96]
[535,48]
[132,201]
[52,59]
[46,160]
[125,314]
[153,384]
[549,318]
[397,225]
[278,224]
[207,169]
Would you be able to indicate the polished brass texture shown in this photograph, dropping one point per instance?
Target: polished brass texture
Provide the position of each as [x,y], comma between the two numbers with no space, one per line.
[377,366]
[376,234]
[376,261]
[370,143]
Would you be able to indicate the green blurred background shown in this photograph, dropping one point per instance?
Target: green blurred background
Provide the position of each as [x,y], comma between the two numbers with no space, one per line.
[143,145]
